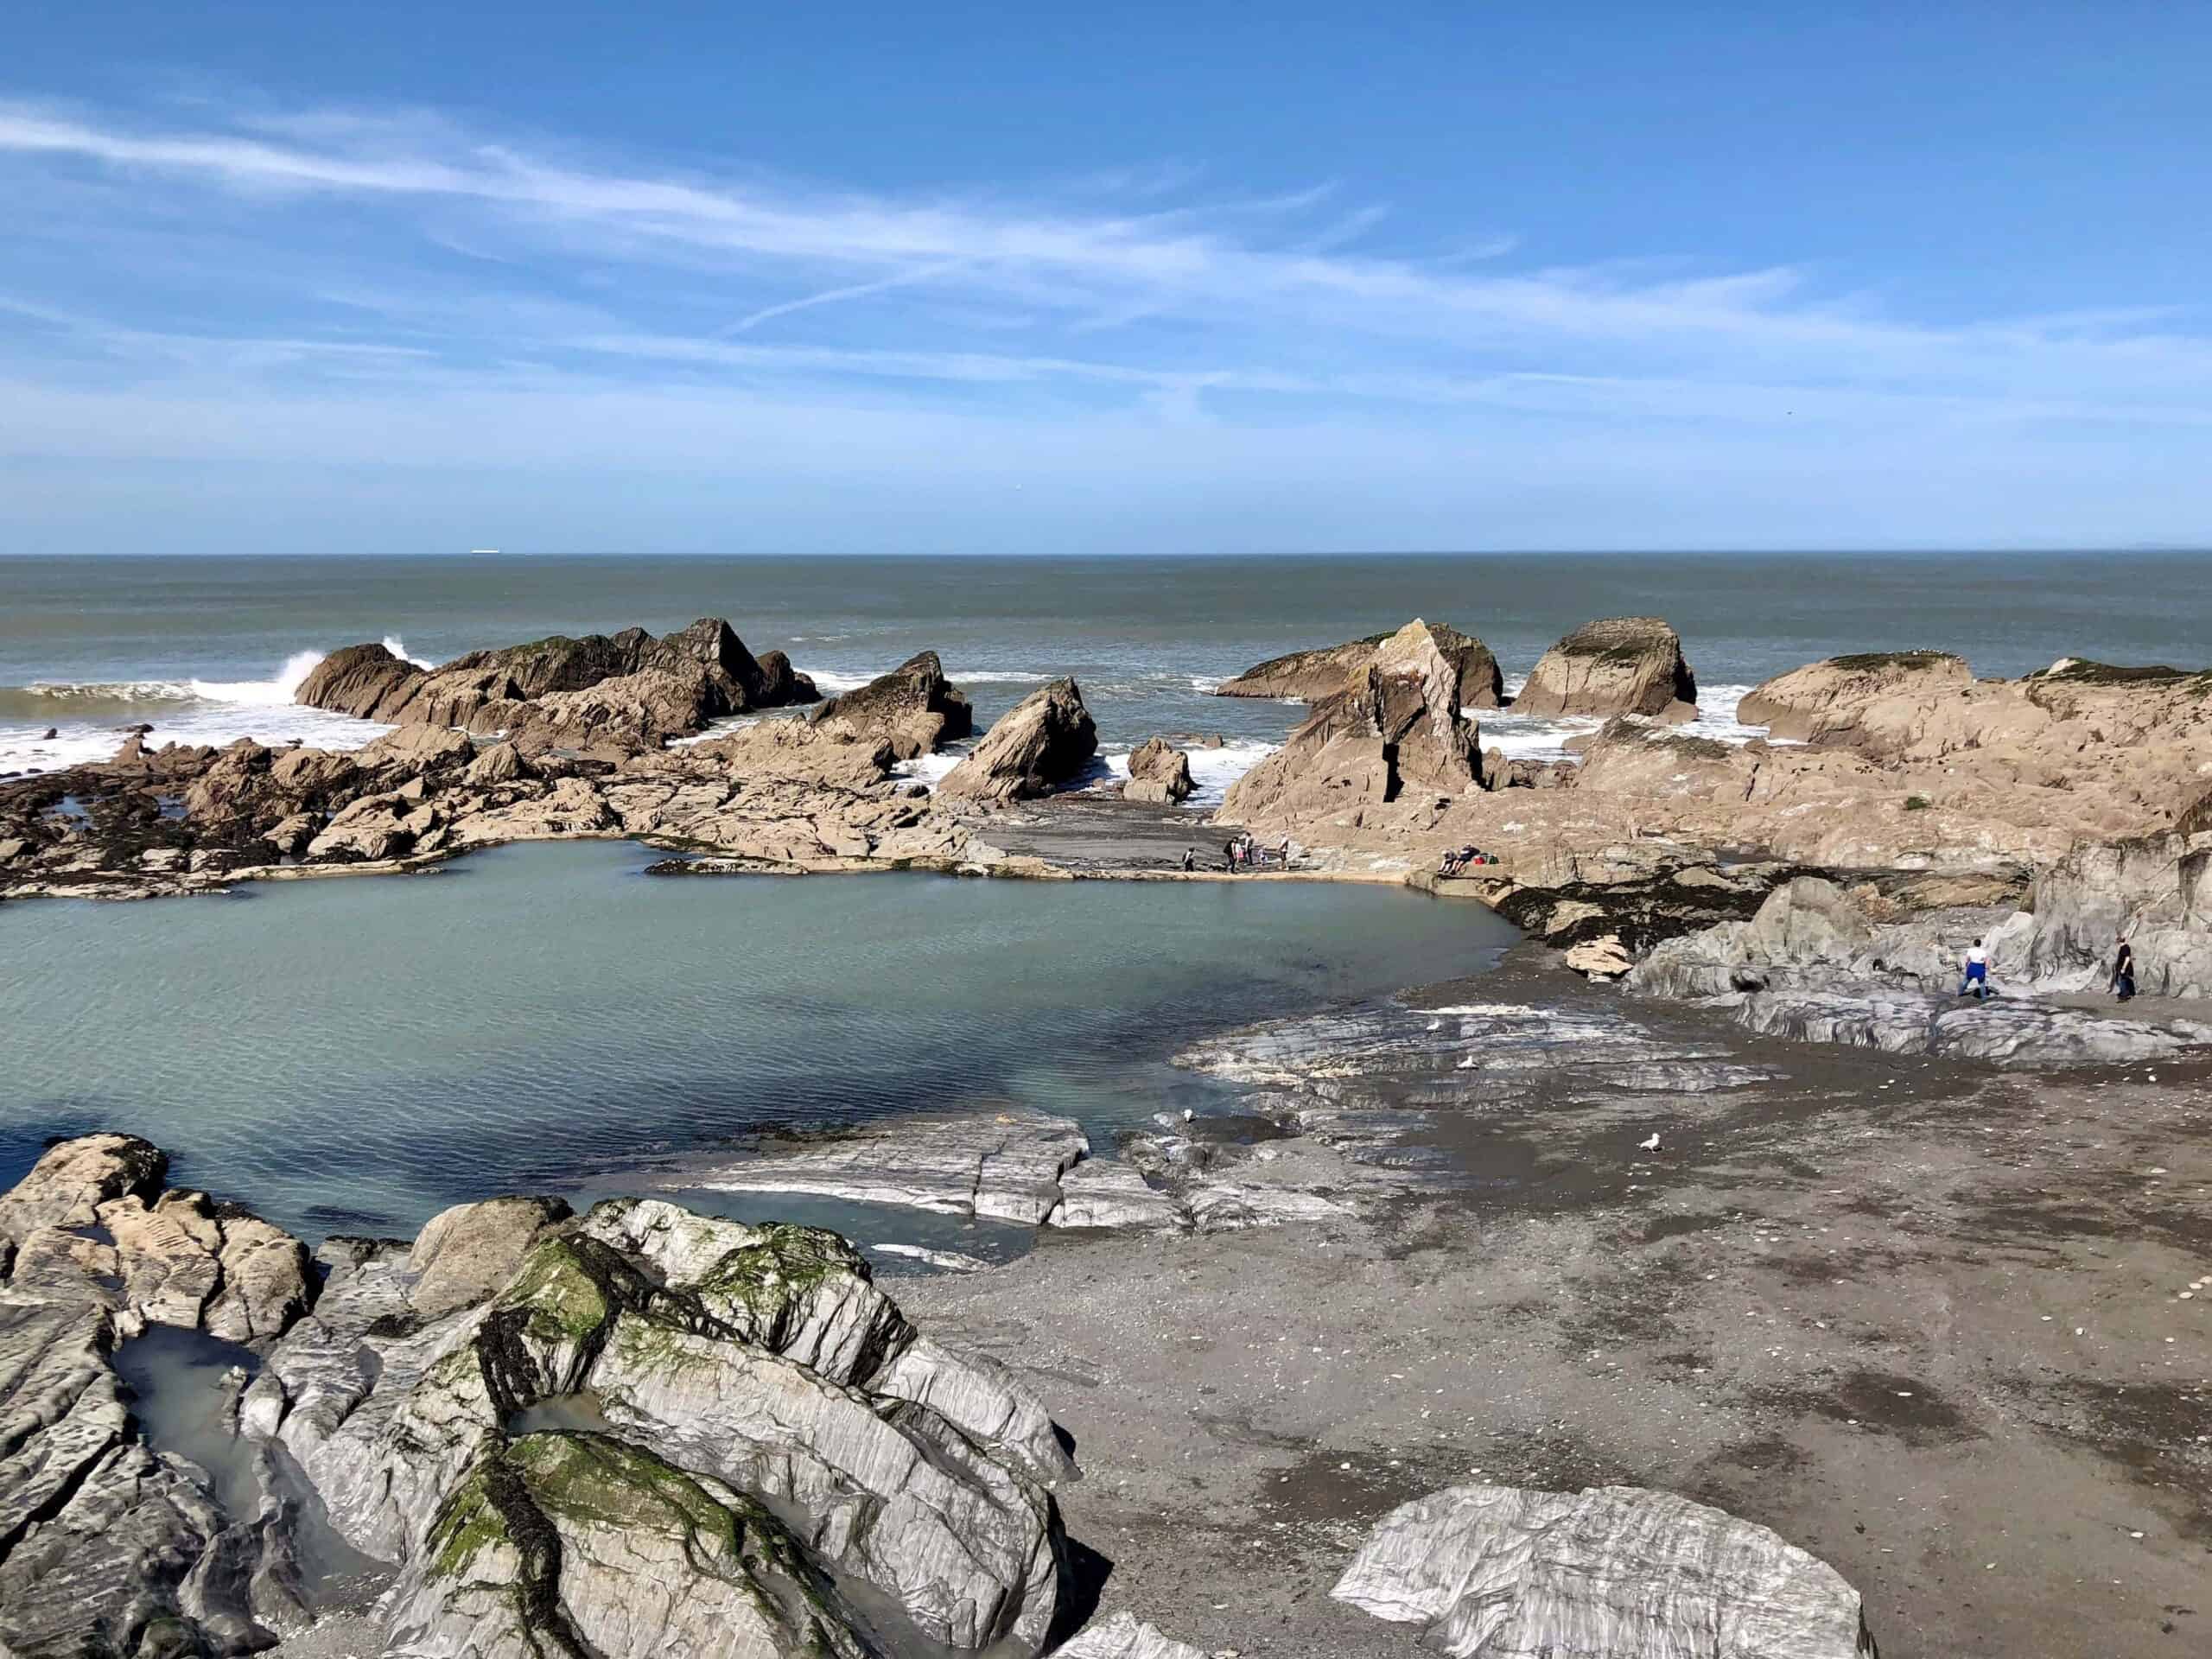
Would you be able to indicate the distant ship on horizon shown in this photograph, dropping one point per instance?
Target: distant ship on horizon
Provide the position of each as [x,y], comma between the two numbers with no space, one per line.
[483,552]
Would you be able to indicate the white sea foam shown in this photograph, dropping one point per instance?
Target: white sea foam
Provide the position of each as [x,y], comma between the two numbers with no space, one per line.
[397,647]
[1544,737]
[195,711]
[831,681]
[264,693]
[1211,770]
[931,769]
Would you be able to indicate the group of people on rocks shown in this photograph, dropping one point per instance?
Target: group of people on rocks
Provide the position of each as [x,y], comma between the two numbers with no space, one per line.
[1244,854]
[1460,858]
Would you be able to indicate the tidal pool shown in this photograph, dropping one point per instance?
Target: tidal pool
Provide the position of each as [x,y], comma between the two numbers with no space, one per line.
[353,1055]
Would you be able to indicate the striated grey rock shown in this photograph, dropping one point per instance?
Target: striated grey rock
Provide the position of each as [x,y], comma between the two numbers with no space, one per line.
[1609,1572]
[665,1427]
[1617,665]
[1100,1192]
[914,708]
[1039,743]
[1122,1636]
[1003,1163]
[581,1544]
[2004,1031]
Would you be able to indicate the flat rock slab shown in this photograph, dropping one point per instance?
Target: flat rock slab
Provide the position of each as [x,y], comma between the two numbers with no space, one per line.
[2003,1030]
[1005,1164]
[1609,1572]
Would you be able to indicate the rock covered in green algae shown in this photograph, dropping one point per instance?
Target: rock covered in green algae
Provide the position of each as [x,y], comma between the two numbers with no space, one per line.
[577,1543]
[734,1414]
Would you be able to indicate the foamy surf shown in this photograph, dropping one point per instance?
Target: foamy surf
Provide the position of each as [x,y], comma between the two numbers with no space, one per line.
[1545,737]
[86,717]
[1212,770]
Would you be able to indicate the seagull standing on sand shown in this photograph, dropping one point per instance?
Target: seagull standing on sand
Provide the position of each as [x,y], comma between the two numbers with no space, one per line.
[1649,1143]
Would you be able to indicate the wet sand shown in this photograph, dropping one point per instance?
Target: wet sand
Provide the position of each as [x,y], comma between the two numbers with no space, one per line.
[1920,1318]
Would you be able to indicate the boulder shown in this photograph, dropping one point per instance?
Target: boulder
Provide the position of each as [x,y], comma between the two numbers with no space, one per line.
[500,763]
[781,685]
[798,751]
[1617,665]
[1041,742]
[414,748]
[1600,958]
[1609,1572]
[1158,773]
[465,1254]
[360,681]
[912,707]
[1309,676]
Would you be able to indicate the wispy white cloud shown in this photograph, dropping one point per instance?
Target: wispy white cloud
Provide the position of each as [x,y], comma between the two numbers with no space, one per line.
[397,285]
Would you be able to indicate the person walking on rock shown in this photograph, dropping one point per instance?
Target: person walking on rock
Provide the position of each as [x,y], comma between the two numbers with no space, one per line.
[2123,972]
[1977,979]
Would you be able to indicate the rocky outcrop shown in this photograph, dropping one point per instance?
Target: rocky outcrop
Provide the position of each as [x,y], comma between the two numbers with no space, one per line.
[627,687]
[1159,773]
[1395,730]
[1830,699]
[665,1426]
[109,1545]
[914,708]
[1041,742]
[2004,1031]
[605,1435]
[1608,1573]
[1617,665]
[1310,675]
[1037,1169]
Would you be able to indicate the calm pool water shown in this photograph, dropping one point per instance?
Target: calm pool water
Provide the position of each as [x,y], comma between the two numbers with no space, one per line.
[353,1055]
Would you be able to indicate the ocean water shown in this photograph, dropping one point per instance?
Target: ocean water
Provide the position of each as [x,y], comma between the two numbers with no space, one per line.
[207,650]
[353,1055]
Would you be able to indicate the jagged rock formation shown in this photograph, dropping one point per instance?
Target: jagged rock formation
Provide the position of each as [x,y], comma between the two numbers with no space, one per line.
[1158,773]
[637,1431]
[628,687]
[1395,730]
[912,708]
[1818,963]
[781,793]
[1039,743]
[1609,1572]
[1616,666]
[1309,676]
[109,1546]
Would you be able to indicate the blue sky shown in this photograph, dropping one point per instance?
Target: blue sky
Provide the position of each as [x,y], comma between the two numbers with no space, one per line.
[1141,278]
